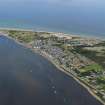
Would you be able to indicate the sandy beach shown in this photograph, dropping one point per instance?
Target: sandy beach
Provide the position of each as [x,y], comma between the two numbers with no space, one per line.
[58,34]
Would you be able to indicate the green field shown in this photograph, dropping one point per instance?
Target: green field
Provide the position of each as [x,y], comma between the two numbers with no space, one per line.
[95,68]
[23,36]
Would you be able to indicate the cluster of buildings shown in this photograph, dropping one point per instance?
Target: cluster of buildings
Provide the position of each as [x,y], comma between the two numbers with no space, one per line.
[69,59]
[76,40]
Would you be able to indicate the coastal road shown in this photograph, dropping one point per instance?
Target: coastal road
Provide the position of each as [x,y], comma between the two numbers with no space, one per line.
[27,78]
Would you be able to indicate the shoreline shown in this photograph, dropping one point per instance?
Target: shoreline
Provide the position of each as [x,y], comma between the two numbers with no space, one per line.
[15,29]
[78,80]
[54,32]
[47,56]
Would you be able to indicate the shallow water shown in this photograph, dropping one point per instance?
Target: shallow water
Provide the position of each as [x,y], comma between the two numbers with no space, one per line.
[69,16]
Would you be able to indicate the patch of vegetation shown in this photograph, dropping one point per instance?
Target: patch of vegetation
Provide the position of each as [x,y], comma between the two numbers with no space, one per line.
[101,80]
[23,36]
[91,68]
[100,44]
[93,55]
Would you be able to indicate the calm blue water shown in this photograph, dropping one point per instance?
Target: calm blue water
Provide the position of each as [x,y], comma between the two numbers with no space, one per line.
[27,78]
[69,16]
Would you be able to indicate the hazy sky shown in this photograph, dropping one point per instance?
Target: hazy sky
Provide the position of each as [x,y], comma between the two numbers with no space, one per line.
[54,1]
[94,3]
[79,15]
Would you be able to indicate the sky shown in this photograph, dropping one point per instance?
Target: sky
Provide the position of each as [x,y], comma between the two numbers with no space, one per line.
[78,15]
[62,2]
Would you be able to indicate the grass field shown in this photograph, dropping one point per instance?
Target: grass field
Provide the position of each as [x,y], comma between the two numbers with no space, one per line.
[91,68]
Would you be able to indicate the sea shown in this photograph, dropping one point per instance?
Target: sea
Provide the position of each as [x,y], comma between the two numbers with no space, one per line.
[26,78]
[82,17]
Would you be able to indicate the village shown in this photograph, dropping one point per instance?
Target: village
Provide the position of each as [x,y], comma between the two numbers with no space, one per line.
[62,51]
[70,53]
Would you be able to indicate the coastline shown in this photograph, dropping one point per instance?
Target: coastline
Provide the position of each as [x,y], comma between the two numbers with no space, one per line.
[54,32]
[47,56]
[16,29]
